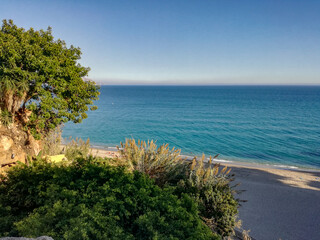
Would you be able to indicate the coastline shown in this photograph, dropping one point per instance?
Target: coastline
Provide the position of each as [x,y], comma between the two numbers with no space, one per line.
[237,162]
[279,203]
[298,177]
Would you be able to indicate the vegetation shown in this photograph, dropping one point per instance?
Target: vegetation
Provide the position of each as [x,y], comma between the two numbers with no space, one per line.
[87,199]
[161,164]
[52,142]
[146,193]
[211,189]
[41,81]
[5,117]
[100,198]
[205,183]
[77,149]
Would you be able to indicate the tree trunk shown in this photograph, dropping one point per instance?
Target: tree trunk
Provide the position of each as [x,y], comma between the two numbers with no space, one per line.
[12,102]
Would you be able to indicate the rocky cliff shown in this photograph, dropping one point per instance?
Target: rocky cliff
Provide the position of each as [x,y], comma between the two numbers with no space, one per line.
[15,145]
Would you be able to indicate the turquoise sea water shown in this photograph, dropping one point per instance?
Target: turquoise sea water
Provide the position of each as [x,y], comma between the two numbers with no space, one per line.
[278,125]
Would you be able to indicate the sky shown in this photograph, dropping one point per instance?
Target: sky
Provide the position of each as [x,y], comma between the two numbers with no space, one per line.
[184,42]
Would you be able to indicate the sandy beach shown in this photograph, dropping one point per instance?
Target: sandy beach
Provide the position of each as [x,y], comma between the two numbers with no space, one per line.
[280,203]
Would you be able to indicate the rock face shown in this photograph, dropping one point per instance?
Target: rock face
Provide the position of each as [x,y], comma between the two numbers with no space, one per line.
[22,238]
[15,145]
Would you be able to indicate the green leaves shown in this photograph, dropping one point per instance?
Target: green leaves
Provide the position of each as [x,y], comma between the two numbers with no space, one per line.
[5,117]
[42,74]
[204,182]
[90,200]
[211,189]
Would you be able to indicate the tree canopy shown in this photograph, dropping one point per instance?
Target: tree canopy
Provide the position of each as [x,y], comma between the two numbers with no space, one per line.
[42,84]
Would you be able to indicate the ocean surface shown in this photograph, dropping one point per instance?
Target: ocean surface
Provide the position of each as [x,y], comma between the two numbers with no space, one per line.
[276,125]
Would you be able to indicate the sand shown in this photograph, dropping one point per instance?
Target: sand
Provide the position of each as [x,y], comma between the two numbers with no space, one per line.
[104,153]
[280,203]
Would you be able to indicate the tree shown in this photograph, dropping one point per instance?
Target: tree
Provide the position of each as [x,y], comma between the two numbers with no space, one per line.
[42,84]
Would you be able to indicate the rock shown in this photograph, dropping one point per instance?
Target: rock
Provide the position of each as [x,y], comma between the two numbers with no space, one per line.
[12,146]
[34,146]
[23,238]
[5,143]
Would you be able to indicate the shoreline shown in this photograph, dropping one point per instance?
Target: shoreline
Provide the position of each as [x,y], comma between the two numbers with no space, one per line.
[237,163]
[300,178]
[279,203]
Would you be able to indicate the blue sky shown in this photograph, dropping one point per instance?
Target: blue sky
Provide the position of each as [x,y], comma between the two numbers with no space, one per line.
[184,42]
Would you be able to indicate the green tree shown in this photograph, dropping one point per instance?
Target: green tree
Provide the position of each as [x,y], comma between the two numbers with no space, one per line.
[41,82]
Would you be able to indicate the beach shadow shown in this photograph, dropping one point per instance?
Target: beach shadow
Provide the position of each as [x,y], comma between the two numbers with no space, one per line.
[315,184]
[277,207]
[299,179]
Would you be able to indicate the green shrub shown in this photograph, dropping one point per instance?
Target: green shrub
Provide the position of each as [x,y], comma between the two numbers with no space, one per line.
[77,149]
[160,163]
[205,183]
[5,117]
[211,189]
[52,142]
[89,199]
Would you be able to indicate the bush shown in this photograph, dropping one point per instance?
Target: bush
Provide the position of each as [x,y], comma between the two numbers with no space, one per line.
[5,118]
[77,149]
[205,183]
[52,142]
[211,189]
[161,164]
[90,200]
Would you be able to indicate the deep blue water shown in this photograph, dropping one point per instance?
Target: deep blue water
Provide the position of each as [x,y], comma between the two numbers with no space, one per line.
[265,124]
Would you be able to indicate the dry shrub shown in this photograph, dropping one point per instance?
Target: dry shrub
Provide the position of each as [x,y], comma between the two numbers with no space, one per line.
[162,164]
[210,187]
[51,144]
[245,235]
[77,148]
[202,173]
[206,183]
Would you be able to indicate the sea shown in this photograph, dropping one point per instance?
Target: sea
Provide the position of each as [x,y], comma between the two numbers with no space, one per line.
[270,125]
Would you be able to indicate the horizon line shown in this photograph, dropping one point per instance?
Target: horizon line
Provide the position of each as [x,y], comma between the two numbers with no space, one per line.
[262,85]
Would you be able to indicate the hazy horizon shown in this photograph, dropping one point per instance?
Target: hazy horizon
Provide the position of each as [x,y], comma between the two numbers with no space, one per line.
[184,42]
[173,83]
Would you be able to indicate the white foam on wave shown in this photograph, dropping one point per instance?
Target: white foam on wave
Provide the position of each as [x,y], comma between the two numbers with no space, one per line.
[285,166]
[104,147]
[222,160]
[188,157]
[98,147]
[113,148]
